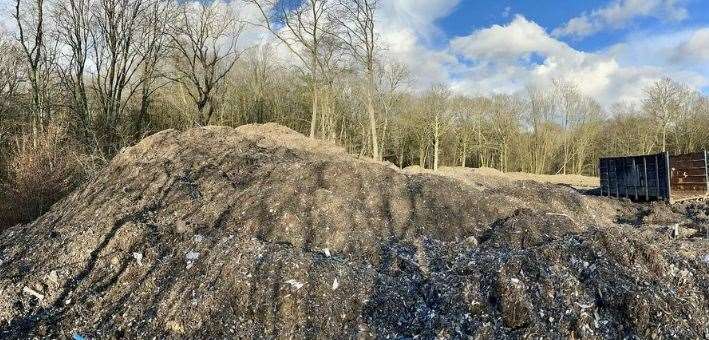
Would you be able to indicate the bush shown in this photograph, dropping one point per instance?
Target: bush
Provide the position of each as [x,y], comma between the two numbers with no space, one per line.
[42,168]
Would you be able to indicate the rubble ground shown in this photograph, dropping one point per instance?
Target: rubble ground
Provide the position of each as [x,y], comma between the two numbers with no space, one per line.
[259,231]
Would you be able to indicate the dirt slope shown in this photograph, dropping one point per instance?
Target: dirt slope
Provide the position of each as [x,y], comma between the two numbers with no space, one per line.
[261,232]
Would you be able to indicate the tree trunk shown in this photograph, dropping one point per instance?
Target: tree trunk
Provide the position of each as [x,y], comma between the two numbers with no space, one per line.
[372,117]
[314,115]
[143,112]
[435,145]
[422,155]
[401,157]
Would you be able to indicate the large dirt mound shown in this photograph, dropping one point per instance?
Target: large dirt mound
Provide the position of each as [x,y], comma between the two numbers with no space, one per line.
[261,232]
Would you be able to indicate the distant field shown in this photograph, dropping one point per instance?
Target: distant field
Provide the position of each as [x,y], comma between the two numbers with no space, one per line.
[491,176]
[577,181]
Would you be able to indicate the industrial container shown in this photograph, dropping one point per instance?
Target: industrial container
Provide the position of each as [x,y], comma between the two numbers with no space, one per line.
[656,177]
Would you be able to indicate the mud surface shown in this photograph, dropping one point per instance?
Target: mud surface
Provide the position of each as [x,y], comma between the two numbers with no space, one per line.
[261,232]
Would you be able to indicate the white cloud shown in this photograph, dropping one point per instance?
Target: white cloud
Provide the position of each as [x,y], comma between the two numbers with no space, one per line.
[619,13]
[408,29]
[696,49]
[504,59]
[418,16]
[518,39]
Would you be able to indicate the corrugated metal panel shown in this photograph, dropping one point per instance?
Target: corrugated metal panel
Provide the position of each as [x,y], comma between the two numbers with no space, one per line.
[641,178]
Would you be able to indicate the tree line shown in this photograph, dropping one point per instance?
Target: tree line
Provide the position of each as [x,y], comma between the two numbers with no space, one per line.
[109,72]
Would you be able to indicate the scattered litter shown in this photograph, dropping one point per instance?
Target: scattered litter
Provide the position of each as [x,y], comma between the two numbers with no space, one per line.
[198,238]
[77,336]
[335,284]
[297,285]
[138,258]
[706,258]
[30,291]
[326,251]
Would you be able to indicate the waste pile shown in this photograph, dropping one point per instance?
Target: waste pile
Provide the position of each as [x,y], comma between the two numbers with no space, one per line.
[259,231]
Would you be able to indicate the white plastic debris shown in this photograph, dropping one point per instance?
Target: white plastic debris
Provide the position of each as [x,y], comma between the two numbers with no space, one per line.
[198,238]
[583,306]
[335,284]
[326,251]
[30,291]
[53,277]
[295,284]
[191,257]
[514,280]
[706,258]
[138,258]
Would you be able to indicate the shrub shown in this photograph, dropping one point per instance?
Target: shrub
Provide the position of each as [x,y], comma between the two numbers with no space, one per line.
[42,168]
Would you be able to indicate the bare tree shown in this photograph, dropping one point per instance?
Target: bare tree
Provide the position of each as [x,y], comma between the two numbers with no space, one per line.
[664,101]
[300,26]
[356,20]
[587,124]
[205,43]
[505,111]
[153,48]
[466,122]
[116,27]
[29,16]
[392,78]
[72,28]
[540,111]
[332,70]
[628,123]
[10,62]
[568,102]
[436,105]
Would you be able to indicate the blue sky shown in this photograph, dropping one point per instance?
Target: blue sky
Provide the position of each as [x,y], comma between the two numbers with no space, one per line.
[470,15]
[611,49]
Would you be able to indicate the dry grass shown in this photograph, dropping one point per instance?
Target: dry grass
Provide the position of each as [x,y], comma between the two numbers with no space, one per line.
[42,168]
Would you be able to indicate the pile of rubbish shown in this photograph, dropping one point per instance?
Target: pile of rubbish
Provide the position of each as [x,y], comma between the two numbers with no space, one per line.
[259,231]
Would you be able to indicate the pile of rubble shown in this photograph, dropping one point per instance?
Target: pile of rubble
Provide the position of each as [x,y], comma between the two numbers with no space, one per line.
[261,232]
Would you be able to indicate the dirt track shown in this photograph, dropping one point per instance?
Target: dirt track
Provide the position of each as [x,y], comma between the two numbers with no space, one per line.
[260,232]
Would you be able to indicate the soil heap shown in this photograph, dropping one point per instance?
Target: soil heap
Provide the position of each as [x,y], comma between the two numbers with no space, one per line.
[260,232]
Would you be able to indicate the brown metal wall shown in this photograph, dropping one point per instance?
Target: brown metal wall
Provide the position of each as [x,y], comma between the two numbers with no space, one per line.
[688,176]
